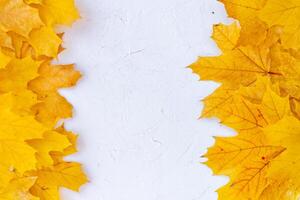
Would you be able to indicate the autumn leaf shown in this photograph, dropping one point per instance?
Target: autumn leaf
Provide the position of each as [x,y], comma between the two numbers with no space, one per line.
[242,64]
[245,159]
[51,142]
[72,139]
[16,74]
[18,17]
[51,108]
[54,77]
[258,97]
[37,40]
[66,174]
[32,143]
[55,12]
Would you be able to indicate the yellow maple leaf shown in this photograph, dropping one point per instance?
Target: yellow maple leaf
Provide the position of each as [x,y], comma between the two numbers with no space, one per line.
[52,108]
[245,159]
[72,139]
[259,98]
[55,12]
[51,142]
[52,78]
[67,174]
[38,37]
[32,148]
[243,65]
[17,73]
[247,116]
[17,16]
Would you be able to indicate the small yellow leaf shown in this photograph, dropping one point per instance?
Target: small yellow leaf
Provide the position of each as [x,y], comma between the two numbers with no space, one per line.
[37,40]
[52,78]
[52,108]
[51,141]
[242,65]
[68,175]
[72,139]
[55,12]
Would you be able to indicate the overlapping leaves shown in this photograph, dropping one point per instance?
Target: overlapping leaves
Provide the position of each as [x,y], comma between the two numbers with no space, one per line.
[259,97]
[32,143]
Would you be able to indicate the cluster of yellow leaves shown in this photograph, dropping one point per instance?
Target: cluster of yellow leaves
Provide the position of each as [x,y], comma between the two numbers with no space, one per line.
[32,144]
[259,97]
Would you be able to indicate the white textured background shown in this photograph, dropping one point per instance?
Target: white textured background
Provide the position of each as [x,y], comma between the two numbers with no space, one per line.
[137,106]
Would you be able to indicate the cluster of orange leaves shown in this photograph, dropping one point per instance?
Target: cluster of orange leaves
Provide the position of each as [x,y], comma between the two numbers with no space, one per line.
[259,97]
[32,143]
